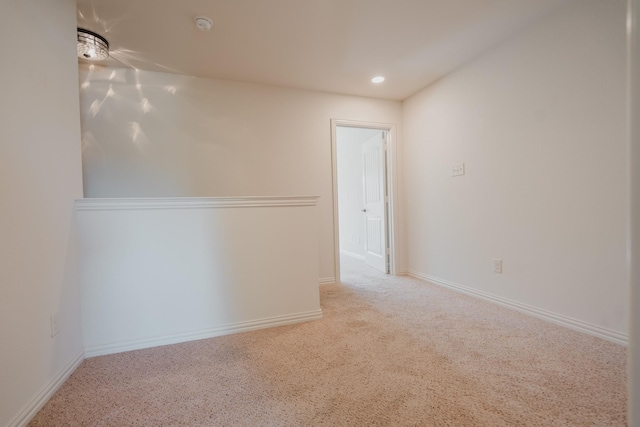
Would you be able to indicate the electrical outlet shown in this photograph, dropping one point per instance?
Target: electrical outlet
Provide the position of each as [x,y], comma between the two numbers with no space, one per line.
[457,169]
[54,325]
[497,266]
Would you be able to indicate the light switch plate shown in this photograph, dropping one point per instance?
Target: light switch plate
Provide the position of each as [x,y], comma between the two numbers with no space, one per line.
[457,169]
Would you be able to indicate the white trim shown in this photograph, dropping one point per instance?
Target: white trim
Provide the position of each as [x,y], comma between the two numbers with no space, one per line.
[352,255]
[633,212]
[327,280]
[392,186]
[568,322]
[100,350]
[193,202]
[23,418]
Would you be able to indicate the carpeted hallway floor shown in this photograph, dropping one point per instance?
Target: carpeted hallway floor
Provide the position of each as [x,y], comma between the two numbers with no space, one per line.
[389,351]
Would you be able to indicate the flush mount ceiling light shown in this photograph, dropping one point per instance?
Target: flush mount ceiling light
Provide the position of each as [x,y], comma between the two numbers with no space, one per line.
[92,46]
[378,79]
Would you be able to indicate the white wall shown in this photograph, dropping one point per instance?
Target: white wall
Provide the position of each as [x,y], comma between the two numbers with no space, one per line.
[149,134]
[40,176]
[168,270]
[540,124]
[349,142]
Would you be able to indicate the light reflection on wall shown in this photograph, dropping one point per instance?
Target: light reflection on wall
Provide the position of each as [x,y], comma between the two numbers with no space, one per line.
[145,105]
[96,105]
[89,142]
[138,137]
[87,81]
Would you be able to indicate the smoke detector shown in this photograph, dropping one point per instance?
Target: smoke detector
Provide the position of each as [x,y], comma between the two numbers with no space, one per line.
[203,23]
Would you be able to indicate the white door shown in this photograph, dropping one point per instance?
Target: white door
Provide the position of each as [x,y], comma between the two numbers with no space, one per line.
[375,232]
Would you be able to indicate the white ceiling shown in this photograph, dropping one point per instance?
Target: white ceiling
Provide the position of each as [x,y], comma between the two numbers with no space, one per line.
[328,45]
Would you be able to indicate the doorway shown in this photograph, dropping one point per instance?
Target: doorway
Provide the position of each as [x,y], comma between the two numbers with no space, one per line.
[363,193]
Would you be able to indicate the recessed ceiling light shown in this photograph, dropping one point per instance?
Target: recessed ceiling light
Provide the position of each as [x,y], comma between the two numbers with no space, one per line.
[378,79]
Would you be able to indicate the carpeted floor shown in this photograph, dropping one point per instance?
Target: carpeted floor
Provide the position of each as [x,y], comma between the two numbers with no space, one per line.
[389,351]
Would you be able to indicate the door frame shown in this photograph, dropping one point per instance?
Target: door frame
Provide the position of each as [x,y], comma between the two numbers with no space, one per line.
[391,184]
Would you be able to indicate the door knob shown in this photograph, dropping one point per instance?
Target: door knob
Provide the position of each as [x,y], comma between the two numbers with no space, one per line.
[364,210]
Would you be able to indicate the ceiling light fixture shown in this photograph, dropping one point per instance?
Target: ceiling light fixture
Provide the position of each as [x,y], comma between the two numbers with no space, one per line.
[378,79]
[203,23]
[92,46]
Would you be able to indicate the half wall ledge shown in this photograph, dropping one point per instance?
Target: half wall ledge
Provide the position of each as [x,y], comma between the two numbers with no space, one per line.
[194,202]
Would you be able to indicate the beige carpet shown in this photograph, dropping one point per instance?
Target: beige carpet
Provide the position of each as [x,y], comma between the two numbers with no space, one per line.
[389,351]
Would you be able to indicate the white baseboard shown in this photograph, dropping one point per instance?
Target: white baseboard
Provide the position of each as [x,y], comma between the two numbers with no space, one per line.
[327,280]
[352,255]
[101,350]
[45,394]
[568,322]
